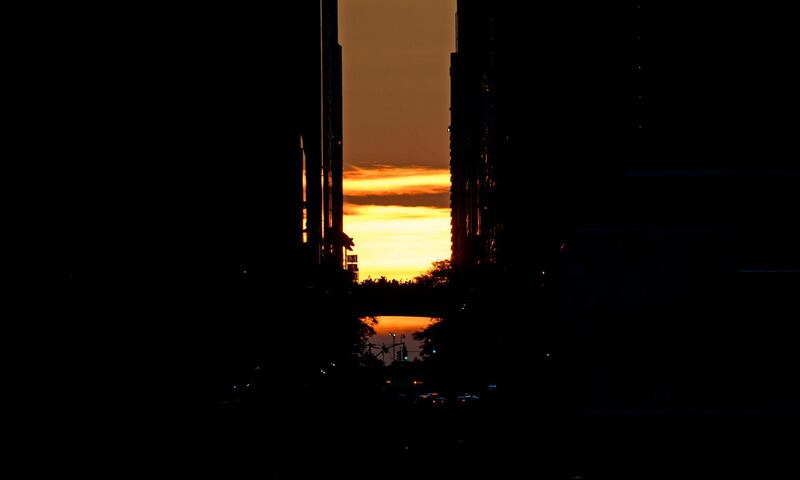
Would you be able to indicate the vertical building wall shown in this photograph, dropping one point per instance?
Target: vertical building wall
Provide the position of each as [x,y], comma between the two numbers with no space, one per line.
[310,103]
[314,92]
[652,136]
[337,163]
[472,130]
[582,113]
[297,108]
[332,133]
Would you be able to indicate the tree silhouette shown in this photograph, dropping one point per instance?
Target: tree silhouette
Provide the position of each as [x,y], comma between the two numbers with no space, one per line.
[439,275]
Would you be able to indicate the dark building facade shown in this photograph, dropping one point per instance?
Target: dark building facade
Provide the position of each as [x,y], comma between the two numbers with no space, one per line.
[635,154]
[170,147]
[332,135]
[472,129]
[263,191]
[614,101]
[313,93]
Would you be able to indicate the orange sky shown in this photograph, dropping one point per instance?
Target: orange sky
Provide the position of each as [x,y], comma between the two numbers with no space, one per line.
[399,326]
[396,113]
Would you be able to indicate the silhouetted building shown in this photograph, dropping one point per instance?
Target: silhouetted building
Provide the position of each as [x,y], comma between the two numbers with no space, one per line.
[473,129]
[315,87]
[638,169]
[332,135]
[170,146]
[612,104]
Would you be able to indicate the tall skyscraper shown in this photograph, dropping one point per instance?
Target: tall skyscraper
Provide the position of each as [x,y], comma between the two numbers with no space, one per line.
[169,146]
[332,135]
[472,139]
[632,154]
[312,99]
[581,114]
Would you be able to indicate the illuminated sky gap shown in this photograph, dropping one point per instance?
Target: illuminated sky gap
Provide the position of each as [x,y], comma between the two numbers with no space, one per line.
[396,98]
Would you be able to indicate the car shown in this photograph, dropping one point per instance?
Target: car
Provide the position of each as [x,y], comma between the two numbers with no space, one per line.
[464,399]
[432,399]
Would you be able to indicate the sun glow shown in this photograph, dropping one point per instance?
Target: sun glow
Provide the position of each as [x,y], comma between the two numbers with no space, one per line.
[398,242]
[401,325]
[386,180]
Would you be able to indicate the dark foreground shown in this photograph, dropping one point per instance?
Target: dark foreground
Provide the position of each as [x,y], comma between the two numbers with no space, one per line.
[314,432]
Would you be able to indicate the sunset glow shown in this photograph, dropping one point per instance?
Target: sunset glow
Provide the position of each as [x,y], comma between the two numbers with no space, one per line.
[401,325]
[395,241]
[390,180]
[396,93]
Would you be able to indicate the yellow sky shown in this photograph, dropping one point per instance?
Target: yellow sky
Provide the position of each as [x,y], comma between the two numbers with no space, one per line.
[397,241]
[396,60]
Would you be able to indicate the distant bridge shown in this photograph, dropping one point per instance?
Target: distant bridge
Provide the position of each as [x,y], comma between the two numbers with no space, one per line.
[405,301]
